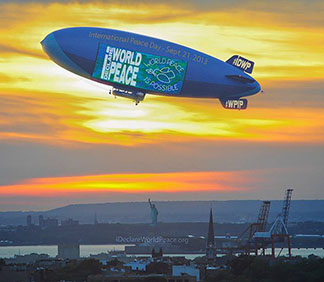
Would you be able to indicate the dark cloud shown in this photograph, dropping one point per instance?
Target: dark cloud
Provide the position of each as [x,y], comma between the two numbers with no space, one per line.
[291,12]
[293,94]
[6,49]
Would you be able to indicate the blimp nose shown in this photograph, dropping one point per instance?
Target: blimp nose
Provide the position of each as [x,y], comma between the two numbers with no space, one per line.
[257,87]
[52,49]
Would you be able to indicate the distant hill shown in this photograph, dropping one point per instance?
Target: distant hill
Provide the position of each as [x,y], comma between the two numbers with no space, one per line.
[239,211]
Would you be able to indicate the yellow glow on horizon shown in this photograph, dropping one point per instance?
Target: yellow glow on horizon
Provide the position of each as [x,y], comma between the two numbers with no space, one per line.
[131,183]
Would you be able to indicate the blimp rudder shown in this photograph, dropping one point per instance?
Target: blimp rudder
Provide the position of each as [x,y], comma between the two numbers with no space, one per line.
[241,63]
[246,66]
[55,52]
[234,104]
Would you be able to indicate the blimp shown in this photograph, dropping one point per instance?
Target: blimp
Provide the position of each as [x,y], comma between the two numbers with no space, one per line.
[135,65]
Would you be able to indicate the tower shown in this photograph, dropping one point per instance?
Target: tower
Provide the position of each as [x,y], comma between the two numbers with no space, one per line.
[41,221]
[210,244]
[29,221]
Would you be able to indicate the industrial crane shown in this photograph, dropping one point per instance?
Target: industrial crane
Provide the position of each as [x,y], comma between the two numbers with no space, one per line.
[259,226]
[278,231]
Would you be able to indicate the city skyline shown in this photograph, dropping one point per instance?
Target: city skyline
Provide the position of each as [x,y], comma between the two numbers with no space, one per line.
[64,140]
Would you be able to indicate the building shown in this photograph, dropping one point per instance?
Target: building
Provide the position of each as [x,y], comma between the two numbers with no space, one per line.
[210,243]
[48,222]
[180,270]
[17,272]
[68,251]
[40,221]
[135,278]
[104,258]
[26,259]
[157,254]
[139,265]
[69,222]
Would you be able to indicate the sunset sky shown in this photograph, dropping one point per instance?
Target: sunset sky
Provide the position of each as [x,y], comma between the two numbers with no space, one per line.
[64,140]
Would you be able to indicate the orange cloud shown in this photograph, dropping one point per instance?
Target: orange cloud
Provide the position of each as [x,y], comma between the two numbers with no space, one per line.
[68,120]
[131,183]
[43,103]
[214,29]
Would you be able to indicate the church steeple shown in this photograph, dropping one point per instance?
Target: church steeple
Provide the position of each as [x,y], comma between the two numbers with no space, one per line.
[210,244]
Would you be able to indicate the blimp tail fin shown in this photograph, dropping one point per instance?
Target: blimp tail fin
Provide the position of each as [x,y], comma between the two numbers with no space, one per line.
[241,63]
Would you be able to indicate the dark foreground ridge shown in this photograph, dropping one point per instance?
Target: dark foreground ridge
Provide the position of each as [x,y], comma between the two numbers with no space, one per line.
[226,269]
